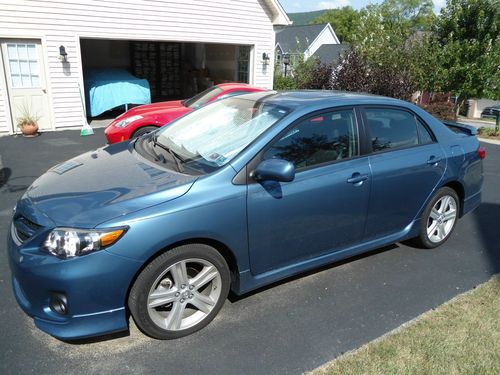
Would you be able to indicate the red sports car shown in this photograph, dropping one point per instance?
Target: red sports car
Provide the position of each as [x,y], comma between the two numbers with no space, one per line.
[146,118]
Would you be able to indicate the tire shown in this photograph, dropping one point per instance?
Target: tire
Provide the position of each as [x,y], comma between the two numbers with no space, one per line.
[180,291]
[438,219]
[144,130]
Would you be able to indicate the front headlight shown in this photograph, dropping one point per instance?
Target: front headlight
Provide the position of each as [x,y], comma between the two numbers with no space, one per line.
[69,242]
[125,122]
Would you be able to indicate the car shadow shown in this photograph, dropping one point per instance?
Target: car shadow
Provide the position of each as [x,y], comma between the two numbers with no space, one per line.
[235,298]
[487,217]
[5,174]
[97,339]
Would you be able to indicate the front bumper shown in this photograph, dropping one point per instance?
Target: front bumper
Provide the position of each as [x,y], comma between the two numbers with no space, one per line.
[115,135]
[95,286]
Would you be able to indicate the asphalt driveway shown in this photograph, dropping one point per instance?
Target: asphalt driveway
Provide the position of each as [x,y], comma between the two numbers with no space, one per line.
[290,327]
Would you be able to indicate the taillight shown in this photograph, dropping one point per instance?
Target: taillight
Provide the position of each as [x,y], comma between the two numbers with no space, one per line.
[481,152]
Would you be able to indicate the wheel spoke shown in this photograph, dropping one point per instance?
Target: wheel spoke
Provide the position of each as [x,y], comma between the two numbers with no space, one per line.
[161,297]
[202,302]
[434,213]
[174,318]
[432,228]
[441,232]
[445,201]
[206,275]
[450,215]
[179,273]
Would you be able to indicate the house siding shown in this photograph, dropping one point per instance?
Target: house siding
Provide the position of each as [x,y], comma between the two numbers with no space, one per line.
[64,22]
[4,110]
[4,119]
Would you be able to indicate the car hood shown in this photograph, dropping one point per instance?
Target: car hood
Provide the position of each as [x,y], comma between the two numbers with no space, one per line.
[101,185]
[145,109]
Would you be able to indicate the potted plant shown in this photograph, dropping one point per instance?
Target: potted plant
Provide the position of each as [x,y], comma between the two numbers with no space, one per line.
[28,122]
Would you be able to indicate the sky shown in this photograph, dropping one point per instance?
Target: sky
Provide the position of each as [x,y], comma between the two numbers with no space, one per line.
[294,6]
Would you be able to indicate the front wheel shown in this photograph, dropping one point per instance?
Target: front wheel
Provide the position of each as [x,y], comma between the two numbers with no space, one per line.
[180,291]
[439,219]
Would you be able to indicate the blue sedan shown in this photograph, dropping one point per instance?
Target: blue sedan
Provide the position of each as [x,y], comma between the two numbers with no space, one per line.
[233,196]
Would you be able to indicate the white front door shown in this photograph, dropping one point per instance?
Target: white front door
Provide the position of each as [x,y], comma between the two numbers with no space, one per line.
[26,84]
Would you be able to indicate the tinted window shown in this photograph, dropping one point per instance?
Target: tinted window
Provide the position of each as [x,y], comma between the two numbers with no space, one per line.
[391,128]
[424,136]
[319,139]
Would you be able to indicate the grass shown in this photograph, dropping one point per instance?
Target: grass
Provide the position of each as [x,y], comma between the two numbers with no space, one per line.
[460,337]
[488,133]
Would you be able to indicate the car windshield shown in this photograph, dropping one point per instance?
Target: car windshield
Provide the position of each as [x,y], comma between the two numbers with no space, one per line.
[203,97]
[213,135]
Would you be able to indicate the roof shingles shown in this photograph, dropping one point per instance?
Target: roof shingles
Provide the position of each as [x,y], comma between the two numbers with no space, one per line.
[293,39]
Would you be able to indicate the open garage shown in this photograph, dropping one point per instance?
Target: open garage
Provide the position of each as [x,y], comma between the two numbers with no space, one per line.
[169,49]
[167,70]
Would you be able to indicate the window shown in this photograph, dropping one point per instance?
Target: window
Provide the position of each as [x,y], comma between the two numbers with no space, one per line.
[391,128]
[23,65]
[424,136]
[243,64]
[319,139]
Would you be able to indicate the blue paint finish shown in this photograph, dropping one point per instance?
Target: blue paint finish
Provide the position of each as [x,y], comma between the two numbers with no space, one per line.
[273,229]
[402,183]
[281,234]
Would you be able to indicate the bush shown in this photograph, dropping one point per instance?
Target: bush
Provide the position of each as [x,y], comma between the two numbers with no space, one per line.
[284,83]
[357,74]
[441,110]
[305,75]
[487,132]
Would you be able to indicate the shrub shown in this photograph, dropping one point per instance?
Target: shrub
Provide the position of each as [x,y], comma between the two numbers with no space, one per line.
[356,73]
[284,83]
[441,110]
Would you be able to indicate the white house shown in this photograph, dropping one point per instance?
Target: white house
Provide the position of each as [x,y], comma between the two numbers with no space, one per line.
[308,40]
[224,39]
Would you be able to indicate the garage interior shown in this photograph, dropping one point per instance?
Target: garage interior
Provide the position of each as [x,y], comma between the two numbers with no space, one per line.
[174,70]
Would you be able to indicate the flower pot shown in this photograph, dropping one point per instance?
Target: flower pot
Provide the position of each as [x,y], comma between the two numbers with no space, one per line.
[29,129]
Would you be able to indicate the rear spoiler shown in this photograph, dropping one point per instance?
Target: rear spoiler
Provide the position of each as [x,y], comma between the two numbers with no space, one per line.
[460,128]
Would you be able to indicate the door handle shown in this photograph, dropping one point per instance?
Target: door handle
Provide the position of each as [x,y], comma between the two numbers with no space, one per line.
[357,178]
[433,160]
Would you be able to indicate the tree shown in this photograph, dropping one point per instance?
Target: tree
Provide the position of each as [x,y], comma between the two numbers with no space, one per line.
[467,33]
[344,21]
[356,73]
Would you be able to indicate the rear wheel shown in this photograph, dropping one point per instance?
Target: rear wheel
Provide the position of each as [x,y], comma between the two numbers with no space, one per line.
[439,219]
[144,130]
[180,292]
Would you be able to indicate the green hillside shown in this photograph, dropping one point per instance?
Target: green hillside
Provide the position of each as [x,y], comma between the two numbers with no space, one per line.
[304,18]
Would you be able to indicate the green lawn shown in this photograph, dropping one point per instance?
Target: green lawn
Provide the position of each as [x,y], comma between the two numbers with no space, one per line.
[459,337]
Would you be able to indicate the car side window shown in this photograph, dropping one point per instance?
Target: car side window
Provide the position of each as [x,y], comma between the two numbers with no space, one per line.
[424,135]
[391,128]
[318,139]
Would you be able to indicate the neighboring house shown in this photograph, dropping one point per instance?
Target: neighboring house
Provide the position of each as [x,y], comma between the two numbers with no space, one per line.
[319,41]
[139,36]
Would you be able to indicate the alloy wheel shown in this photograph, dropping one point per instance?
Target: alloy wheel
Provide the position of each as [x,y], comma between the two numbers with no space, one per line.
[184,294]
[442,218]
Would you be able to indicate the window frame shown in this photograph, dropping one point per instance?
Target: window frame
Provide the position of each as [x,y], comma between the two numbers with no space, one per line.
[252,164]
[416,117]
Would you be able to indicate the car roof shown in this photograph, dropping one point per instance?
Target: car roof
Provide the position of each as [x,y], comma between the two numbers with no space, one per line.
[319,98]
[230,85]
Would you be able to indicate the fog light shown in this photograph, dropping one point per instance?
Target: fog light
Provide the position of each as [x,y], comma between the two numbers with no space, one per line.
[59,304]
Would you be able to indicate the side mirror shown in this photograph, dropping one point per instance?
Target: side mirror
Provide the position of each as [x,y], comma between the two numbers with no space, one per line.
[274,169]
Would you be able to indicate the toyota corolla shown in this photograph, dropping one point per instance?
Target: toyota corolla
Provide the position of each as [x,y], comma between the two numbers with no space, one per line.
[236,195]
